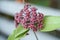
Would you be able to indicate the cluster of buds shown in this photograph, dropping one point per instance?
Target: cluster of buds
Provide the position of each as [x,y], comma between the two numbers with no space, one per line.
[29,18]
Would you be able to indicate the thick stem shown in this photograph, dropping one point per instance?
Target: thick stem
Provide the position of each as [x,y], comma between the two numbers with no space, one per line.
[35,35]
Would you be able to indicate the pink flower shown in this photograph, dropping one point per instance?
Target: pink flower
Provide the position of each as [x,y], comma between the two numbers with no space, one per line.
[29,18]
[33,9]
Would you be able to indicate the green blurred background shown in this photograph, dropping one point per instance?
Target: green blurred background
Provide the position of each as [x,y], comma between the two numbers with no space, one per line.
[47,3]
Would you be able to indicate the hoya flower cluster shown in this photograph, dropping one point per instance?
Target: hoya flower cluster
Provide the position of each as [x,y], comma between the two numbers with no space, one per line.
[29,18]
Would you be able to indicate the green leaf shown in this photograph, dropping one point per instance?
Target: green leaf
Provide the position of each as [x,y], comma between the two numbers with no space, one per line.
[11,37]
[18,33]
[51,23]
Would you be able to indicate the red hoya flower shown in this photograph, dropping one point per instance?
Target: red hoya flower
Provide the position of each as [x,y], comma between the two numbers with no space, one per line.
[29,18]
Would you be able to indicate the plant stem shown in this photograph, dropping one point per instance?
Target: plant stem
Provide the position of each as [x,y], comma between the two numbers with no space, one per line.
[35,35]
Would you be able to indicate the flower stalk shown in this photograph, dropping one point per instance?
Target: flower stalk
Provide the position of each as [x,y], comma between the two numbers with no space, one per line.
[35,35]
